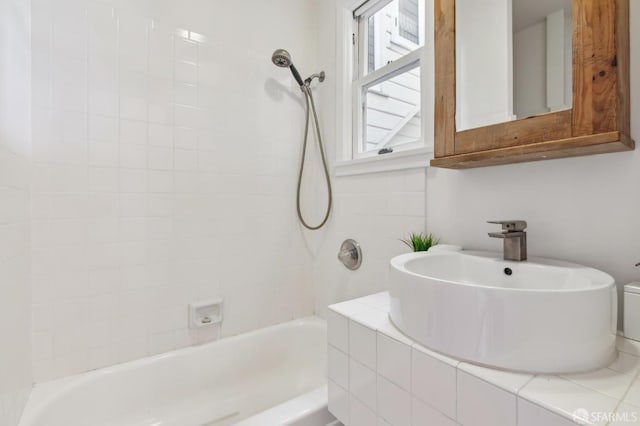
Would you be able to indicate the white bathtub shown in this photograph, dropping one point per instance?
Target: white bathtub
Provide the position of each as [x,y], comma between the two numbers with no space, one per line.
[273,376]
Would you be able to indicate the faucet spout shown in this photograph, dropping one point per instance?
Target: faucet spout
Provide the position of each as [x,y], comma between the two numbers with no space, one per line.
[507,234]
[514,239]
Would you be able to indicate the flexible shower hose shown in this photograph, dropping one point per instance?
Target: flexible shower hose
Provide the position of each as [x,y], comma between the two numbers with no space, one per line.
[311,107]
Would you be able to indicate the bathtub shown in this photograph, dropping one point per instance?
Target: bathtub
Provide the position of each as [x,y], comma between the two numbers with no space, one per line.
[273,376]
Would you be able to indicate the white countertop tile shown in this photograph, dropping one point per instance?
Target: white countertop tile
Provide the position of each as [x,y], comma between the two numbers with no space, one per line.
[625,415]
[348,308]
[565,397]
[633,394]
[606,381]
[511,382]
[629,346]
[626,364]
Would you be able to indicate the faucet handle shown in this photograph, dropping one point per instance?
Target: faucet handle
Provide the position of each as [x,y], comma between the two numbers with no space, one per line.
[511,225]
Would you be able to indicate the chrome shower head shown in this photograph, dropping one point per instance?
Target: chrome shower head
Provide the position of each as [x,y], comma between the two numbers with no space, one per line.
[281,58]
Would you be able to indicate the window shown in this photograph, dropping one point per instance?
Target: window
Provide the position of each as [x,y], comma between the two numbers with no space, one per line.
[387,106]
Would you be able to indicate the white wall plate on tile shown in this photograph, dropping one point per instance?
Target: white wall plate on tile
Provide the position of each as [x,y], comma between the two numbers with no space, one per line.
[205,312]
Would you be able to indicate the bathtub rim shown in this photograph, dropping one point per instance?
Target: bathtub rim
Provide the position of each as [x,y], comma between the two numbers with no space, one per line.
[44,394]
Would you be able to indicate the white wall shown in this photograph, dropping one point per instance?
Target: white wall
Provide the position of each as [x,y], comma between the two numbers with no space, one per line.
[164,173]
[15,288]
[581,209]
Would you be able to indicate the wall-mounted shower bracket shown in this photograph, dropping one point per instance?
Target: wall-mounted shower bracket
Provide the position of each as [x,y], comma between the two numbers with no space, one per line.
[320,76]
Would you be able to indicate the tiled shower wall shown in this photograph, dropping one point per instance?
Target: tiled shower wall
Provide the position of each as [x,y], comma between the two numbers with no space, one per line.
[376,209]
[15,288]
[165,147]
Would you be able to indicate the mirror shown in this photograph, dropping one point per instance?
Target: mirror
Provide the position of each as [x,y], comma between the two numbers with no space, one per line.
[586,106]
[513,60]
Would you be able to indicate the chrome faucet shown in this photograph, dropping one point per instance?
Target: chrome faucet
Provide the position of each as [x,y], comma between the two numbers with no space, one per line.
[515,239]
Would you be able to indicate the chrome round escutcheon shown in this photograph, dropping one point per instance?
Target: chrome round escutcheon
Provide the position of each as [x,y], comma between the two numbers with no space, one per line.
[350,254]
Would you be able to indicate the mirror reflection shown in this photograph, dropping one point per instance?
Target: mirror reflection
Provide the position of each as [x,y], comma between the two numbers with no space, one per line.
[513,60]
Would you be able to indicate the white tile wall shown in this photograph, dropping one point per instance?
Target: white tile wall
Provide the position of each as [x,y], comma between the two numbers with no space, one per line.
[15,173]
[338,400]
[362,344]
[532,415]
[482,404]
[338,331]
[424,414]
[360,414]
[412,385]
[394,361]
[394,403]
[338,364]
[164,172]
[362,383]
[377,210]
[434,381]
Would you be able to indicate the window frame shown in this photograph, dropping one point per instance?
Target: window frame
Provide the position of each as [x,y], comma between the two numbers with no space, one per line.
[382,74]
[352,64]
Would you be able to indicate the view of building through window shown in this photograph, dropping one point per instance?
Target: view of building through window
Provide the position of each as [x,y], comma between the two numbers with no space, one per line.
[391,103]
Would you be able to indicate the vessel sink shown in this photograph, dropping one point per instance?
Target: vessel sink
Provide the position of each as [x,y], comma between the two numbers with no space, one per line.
[537,316]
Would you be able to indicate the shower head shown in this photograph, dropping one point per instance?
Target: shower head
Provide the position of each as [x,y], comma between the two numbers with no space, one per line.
[281,58]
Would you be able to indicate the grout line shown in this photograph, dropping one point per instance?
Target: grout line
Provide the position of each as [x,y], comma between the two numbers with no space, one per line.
[526,383]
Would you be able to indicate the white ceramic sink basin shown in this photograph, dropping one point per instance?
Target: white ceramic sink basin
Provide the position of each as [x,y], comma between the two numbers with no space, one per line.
[547,316]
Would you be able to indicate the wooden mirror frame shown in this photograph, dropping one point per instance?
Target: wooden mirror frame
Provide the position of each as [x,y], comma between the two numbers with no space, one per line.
[599,121]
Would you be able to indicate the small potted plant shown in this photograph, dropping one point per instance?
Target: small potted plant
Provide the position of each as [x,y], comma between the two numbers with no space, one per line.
[421,241]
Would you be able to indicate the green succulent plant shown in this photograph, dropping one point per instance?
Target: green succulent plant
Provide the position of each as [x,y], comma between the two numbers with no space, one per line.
[420,242]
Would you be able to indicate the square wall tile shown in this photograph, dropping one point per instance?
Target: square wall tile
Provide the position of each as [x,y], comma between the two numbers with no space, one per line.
[434,382]
[394,361]
[424,415]
[533,415]
[362,344]
[394,403]
[360,414]
[338,331]
[362,383]
[482,404]
[338,402]
[338,366]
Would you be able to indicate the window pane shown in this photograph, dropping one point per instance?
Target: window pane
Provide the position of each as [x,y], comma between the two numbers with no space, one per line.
[391,111]
[392,32]
[408,20]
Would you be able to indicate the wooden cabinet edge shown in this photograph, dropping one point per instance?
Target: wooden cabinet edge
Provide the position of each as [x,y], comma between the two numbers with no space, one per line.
[601,143]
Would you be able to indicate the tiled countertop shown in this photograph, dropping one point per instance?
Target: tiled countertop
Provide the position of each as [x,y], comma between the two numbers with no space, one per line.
[377,374]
